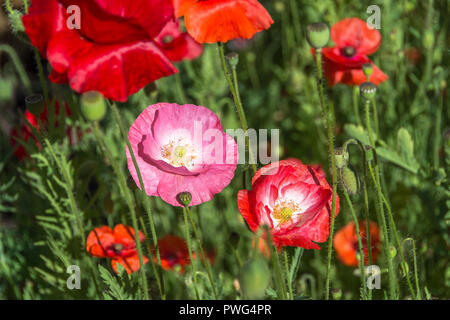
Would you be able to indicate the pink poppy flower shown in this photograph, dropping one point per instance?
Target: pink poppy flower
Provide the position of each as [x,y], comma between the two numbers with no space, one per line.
[182,149]
[293,200]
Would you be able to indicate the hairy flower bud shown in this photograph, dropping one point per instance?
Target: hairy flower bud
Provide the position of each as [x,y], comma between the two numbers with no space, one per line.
[349,180]
[341,157]
[318,35]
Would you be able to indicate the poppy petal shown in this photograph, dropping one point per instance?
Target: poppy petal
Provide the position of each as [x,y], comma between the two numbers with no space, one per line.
[131,264]
[99,240]
[219,21]
[356,33]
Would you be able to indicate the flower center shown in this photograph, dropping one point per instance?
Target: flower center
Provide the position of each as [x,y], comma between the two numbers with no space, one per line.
[348,51]
[167,39]
[284,211]
[179,153]
[283,214]
[118,247]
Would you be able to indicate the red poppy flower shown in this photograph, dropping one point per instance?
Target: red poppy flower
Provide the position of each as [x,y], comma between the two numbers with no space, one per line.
[355,41]
[118,245]
[177,45]
[24,132]
[211,21]
[174,252]
[346,243]
[293,200]
[112,52]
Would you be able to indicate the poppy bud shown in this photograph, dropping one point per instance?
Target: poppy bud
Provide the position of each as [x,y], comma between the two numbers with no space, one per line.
[35,104]
[254,279]
[368,90]
[349,180]
[341,157]
[234,239]
[93,106]
[15,18]
[233,59]
[185,198]
[392,251]
[367,69]
[318,35]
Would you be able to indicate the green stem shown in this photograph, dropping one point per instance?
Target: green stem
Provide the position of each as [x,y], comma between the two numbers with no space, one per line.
[234,88]
[286,266]
[202,253]
[141,182]
[400,248]
[327,114]
[188,239]
[375,117]
[416,276]
[356,104]
[18,65]
[437,131]
[37,57]
[358,236]
[125,190]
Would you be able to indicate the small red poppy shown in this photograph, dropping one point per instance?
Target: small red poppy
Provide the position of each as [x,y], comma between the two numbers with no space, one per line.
[293,200]
[355,41]
[211,21]
[174,252]
[117,244]
[346,243]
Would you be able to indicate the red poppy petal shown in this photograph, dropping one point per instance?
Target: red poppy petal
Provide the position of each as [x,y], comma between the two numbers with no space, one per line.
[131,264]
[113,21]
[45,18]
[244,209]
[98,240]
[356,33]
[125,235]
[117,71]
[219,21]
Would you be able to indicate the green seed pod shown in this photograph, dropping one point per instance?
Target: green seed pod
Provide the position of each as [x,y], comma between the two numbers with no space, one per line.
[349,180]
[233,59]
[185,198]
[337,294]
[368,90]
[93,106]
[392,251]
[341,157]
[35,104]
[367,68]
[318,35]
[254,278]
